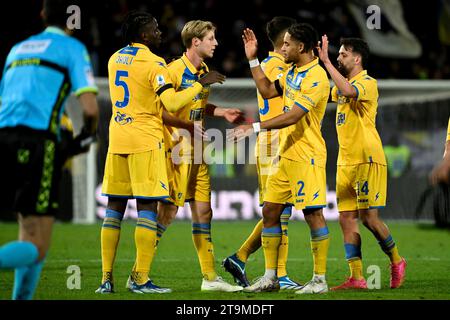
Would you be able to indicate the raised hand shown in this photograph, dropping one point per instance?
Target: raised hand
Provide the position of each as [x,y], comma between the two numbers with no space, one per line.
[212,77]
[198,131]
[239,133]
[250,44]
[323,50]
[234,116]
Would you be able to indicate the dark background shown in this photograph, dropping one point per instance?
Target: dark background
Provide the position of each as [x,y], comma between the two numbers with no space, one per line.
[101,21]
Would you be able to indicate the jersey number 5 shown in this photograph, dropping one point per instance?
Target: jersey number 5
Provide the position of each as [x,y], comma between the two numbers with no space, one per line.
[122,83]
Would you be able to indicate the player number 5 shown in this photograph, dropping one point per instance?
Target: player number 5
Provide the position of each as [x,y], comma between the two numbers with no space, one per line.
[122,83]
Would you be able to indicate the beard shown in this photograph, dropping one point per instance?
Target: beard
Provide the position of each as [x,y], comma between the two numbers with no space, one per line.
[342,69]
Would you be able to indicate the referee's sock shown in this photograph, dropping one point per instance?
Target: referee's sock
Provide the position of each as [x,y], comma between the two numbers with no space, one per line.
[26,280]
[18,254]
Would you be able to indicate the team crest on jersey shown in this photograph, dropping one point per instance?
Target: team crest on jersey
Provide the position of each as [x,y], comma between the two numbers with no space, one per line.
[160,80]
[122,118]
[340,119]
[343,100]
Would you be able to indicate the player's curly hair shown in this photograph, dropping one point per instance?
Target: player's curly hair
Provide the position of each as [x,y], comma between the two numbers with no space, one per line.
[133,24]
[306,34]
[358,46]
[276,26]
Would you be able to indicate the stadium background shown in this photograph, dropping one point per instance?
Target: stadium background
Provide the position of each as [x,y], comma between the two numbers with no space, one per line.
[412,116]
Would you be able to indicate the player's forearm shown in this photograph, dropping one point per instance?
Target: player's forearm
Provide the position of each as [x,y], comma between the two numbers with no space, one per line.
[173,121]
[174,101]
[447,151]
[213,110]
[88,101]
[284,120]
[265,87]
[341,83]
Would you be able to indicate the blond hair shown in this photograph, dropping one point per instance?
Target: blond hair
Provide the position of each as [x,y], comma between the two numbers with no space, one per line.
[195,29]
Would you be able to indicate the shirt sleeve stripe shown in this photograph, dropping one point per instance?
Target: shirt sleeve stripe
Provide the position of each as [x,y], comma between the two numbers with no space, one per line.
[357,91]
[300,106]
[86,89]
[164,88]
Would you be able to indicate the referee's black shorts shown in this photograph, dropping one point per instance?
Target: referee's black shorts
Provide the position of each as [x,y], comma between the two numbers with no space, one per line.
[31,171]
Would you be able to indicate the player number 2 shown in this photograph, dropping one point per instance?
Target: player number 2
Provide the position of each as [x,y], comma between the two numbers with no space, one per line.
[301,185]
[122,83]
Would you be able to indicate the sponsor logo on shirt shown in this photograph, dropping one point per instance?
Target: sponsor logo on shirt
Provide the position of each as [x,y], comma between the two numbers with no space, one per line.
[33,46]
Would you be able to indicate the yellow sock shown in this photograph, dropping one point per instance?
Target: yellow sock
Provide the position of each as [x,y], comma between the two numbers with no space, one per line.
[284,244]
[356,268]
[201,236]
[320,242]
[390,248]
[270,240]
[145,238]
[159,234]
[110,235]
[252,243]
[394,255]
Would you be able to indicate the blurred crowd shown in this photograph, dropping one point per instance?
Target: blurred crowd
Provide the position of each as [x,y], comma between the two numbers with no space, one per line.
[101,24]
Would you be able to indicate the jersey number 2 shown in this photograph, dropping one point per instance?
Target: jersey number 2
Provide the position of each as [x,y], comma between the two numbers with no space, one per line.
[122,83]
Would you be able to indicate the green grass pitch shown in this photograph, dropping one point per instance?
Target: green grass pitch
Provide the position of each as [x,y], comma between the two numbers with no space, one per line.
[426,249]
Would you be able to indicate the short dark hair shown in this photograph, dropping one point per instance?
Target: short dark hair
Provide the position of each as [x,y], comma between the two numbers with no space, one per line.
[305,33]
[358,46]
[133,24]
[277,25]
[56,11]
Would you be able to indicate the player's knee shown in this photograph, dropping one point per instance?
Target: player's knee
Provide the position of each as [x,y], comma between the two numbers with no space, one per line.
[42,249]
[346,221]
[369,222]
[165,217]
[205,214]
[270,216]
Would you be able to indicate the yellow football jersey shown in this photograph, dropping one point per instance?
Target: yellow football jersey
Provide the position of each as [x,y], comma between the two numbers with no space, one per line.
[306,87]
[448,130]
[183,75]
[358,137]
[136,76]
[268,140]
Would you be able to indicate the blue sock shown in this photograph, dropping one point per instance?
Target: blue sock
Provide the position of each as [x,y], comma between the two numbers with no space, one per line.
[26,280]
[18,254]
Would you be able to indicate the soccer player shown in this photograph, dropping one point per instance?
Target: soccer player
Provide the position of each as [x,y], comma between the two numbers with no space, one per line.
[189,179]
[441,172]
[39,74]
[361,177]
[135,166]
[300,176]
[267,145]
